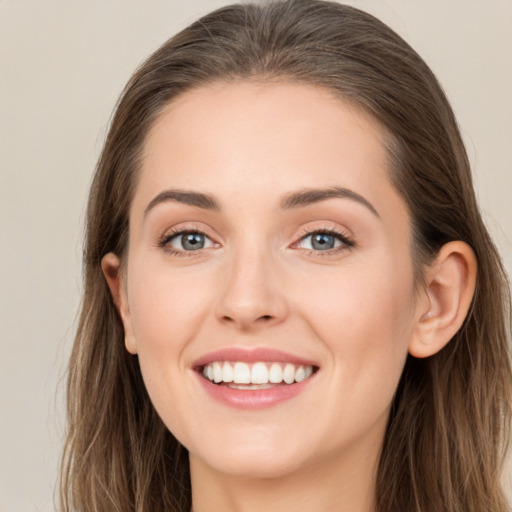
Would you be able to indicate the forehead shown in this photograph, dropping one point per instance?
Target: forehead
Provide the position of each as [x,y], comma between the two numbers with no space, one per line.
[244,138]
[263,109]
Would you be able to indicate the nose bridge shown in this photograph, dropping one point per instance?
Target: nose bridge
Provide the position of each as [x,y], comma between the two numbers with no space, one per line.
[251,294]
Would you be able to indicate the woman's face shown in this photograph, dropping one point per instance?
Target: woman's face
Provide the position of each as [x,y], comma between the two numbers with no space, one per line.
[264,229]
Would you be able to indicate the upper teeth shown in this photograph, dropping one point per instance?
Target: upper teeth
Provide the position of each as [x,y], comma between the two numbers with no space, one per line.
[257,373]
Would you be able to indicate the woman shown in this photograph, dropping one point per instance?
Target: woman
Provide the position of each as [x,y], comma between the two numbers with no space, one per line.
[291,300]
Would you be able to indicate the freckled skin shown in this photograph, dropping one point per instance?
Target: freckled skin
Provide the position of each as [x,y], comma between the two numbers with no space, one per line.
[252,285]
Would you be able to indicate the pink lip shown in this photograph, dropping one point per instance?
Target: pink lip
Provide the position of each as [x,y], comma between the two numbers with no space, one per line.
[251,356]
[257,398]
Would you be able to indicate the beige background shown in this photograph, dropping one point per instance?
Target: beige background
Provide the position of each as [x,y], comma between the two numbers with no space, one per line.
[62,66]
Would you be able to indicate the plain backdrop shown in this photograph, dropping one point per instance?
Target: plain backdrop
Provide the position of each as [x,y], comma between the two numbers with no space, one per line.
[62,66]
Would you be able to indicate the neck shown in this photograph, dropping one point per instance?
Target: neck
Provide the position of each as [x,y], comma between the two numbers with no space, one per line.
[341,484]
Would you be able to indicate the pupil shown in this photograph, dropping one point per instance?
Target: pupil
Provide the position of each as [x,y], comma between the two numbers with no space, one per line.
[322,241]
[193,241]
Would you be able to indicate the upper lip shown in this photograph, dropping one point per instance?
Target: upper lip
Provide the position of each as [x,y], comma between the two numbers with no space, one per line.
[253,355]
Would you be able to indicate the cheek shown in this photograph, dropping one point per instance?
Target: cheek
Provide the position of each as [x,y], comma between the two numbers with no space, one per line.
[166,315]
[167,311]
[366,320]
[166,307]
[373,305]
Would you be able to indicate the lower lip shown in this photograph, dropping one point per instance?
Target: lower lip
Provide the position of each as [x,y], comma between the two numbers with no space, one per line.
[253,398]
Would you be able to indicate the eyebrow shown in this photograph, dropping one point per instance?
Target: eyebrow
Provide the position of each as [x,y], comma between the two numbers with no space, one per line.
[204,201]
[290,201]
[314,195]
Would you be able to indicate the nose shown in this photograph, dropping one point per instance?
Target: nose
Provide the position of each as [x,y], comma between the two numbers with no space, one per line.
[251,293]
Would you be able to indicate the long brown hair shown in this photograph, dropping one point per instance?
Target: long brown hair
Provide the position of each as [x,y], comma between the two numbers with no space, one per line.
[448,427]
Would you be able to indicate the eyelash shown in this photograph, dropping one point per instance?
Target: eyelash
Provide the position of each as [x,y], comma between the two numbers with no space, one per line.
[346,242]
[165,239]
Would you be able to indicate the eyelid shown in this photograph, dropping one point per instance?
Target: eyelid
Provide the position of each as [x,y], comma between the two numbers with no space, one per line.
[163,241]
[347,241]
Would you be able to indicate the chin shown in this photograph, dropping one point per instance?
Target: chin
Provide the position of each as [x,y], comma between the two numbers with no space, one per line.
[254,461]
[255,469]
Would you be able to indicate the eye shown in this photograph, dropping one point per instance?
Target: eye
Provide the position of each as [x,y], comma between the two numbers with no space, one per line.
[327,241]
[180,242]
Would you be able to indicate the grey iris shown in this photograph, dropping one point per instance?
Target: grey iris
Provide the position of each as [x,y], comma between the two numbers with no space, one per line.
[322,241]
[193,241]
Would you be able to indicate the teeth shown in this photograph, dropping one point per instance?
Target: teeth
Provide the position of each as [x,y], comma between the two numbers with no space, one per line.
[300,374]
[263,375]
[275,375]
[227,373]
[259,374]
[217,372]
[242,374]
[289,373]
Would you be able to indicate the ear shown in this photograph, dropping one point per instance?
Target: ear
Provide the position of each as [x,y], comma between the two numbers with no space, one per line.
[111,267]
[450,285]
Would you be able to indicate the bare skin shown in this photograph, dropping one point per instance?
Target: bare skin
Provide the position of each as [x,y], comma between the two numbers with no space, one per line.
[330,281]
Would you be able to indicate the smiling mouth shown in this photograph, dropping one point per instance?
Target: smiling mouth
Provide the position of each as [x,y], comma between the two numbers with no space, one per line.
[260,375]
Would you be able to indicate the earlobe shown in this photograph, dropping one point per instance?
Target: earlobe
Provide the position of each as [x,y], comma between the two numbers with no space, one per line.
[447,297]
[111,267]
